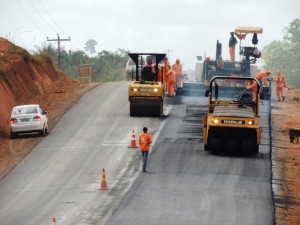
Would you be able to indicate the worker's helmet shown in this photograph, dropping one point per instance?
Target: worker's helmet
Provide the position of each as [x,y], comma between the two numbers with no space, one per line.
[149,59]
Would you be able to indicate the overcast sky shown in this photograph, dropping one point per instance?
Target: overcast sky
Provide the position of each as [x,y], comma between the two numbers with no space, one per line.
[182,28]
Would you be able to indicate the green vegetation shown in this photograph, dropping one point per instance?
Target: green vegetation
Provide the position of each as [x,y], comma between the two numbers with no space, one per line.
[42,57]
[285,55]
[107,66]
[13,49]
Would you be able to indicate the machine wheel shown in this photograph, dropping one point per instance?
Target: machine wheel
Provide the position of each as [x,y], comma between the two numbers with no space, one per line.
[249,142]
[206,147]
[231,143]
[214,141]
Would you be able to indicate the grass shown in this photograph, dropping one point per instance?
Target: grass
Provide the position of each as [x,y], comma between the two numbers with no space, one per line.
[42,57]
[13,49]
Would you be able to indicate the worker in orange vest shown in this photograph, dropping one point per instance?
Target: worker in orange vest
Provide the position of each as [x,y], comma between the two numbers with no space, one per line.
[280,86]
[252,85]
[165,69]
[145,141]
[262,76]
[178,71]
[160,73]
[171,82]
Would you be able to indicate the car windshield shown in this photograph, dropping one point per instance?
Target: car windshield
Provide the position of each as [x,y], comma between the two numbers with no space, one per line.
[25,110]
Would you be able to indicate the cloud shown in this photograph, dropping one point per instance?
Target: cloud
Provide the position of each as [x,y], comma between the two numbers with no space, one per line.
[183,29]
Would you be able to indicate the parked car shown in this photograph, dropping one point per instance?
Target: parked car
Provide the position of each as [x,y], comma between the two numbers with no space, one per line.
[28,119]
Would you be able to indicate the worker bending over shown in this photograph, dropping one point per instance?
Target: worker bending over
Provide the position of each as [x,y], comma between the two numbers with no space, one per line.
[262,77]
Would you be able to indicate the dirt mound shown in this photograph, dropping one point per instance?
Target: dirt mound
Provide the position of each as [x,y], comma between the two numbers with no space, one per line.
[26,79]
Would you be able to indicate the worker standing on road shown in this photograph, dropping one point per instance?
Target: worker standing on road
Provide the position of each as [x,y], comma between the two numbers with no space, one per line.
[232,43]
[165,70]
[280,86]
[171,82]
[178,71]
[145,141]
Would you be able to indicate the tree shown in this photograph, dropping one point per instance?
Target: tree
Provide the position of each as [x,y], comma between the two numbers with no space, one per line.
[90,46]
[285,55]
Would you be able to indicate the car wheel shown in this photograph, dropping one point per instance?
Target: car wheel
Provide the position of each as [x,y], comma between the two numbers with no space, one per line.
[43,132]
[13,135]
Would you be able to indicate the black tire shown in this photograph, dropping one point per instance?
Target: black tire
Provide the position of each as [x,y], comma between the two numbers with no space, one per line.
[43,132]
[214,141]
[206,147]
[132,110]
[13,135]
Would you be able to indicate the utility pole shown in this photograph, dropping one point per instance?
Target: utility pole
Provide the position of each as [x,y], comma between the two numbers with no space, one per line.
[168,54]
[58,48]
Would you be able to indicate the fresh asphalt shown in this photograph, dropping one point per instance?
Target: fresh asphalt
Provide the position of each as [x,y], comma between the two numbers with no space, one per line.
[185,185]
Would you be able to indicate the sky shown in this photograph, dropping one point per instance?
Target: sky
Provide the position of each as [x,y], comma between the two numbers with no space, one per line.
[181,29]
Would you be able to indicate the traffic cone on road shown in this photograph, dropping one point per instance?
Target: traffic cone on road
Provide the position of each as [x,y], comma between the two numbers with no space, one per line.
[53,221]
[103,185]
[133,141]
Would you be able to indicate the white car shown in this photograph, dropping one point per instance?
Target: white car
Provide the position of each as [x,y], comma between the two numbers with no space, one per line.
[28,119]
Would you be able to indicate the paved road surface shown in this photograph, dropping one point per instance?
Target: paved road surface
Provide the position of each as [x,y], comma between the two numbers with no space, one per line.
[185,185]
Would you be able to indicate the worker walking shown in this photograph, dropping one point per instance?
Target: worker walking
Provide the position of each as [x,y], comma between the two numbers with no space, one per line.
[232,43]
[145,141]
[280,86]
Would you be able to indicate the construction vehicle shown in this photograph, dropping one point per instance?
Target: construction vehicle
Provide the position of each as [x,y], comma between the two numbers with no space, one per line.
[246,66]
[146,96]
[232,122]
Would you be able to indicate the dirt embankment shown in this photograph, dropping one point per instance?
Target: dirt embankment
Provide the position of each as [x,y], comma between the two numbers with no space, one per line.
[25,80]
[286,158]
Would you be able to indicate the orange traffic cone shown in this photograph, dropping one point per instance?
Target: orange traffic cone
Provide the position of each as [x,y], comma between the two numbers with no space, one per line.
[133,141]
[103,185]
[53,221]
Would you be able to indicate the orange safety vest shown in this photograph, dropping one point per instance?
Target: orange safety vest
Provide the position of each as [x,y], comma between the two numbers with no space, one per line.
[178,69]
[253,86]
[280,81]
[171,75]
[144,141]
[262,75]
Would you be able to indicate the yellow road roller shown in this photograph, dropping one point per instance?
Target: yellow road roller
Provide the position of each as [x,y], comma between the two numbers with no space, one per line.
[232,123]
[146,91]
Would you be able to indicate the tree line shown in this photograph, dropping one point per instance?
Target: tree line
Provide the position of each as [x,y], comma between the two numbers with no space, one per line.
[284,55]
[107,66]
